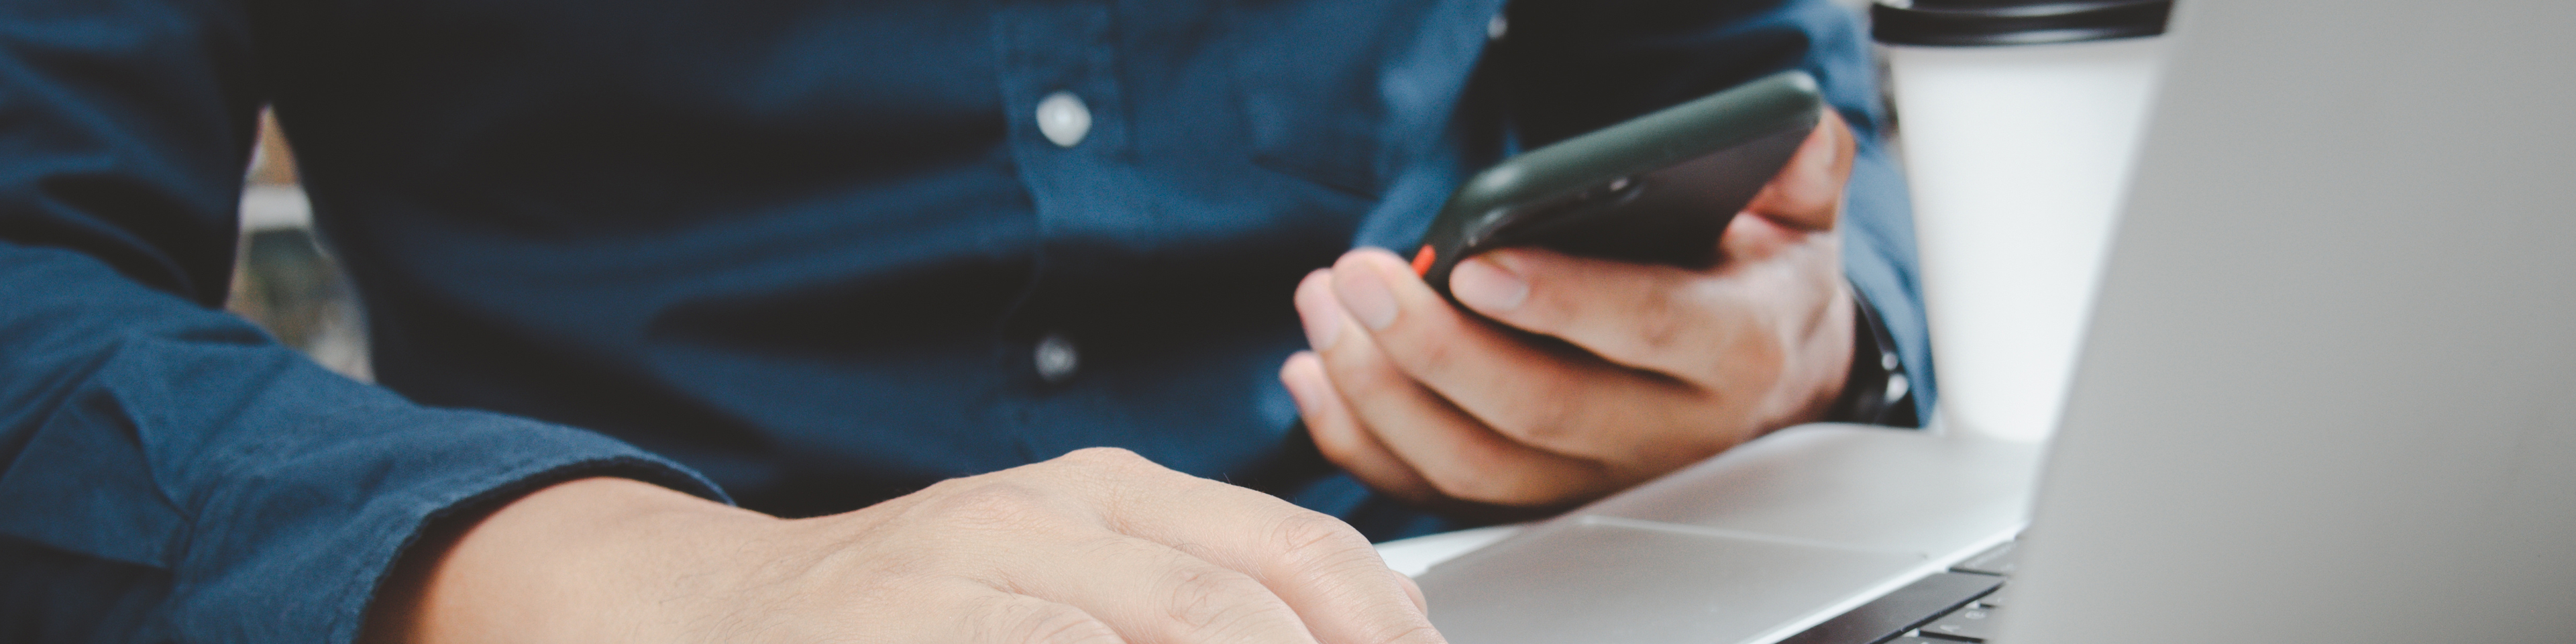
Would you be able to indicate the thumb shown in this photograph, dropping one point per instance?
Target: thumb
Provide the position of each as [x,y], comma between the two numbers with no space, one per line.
[1808,192]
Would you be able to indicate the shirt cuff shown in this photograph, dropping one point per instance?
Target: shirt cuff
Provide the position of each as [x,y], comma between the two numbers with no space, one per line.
[300,553]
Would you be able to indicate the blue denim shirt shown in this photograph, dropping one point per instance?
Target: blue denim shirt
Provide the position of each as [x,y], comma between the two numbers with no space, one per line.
[798,251]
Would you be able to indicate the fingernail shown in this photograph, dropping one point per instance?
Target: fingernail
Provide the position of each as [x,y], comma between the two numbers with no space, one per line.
[1316,308]
[1296,386]
[1366,296]
[1485,285]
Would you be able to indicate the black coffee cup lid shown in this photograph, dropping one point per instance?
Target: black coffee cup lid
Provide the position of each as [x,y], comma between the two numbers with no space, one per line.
[2014,22]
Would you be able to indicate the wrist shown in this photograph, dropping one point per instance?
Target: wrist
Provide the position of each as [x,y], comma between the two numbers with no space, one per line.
[1825,371]
[571,561]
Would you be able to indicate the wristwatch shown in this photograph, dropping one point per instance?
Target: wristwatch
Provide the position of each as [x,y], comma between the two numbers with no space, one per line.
[1876,392]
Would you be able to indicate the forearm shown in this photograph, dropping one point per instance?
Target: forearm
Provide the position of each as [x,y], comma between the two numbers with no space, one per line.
[271,493]
[562,564]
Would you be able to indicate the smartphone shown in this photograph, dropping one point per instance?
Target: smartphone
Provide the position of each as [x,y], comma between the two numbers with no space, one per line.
[1658,188]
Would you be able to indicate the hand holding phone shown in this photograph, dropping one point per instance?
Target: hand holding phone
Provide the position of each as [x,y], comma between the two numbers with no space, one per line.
[1689,342]
[1659,188]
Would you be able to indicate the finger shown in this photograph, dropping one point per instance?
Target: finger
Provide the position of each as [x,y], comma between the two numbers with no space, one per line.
[1317,309]
[1732,325]
[1151,593]
[1324,570]
[1458,455]
[1557,401]
[992,616]
[1808,191]
[1339,436]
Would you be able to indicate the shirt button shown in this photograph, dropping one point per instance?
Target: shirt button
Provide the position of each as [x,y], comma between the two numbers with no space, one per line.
[1063,118]
[1495,28]
[1056,359]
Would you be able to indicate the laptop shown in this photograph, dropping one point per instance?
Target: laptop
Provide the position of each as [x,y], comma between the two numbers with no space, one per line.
[2328,393]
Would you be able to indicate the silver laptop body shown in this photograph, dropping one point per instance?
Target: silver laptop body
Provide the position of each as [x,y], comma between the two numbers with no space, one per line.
[2329,393]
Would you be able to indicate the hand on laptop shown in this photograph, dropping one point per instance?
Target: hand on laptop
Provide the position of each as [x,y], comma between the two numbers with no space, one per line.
[1428,403]
[1097,546]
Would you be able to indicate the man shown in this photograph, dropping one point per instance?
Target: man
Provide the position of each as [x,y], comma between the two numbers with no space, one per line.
[828,258]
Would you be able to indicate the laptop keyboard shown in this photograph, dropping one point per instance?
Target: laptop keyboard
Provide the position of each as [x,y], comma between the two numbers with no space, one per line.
[1946,608]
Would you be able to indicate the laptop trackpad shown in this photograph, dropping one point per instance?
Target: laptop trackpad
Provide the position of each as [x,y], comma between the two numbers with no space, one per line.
[1616,580]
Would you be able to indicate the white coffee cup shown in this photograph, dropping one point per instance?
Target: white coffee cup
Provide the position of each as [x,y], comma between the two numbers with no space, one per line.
[2018,122]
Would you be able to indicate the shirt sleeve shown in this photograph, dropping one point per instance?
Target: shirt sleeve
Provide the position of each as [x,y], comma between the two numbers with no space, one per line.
[1573,67]
[171,472]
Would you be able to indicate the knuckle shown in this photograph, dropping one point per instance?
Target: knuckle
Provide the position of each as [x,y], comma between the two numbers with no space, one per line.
[1323,552]
[1384,370]
[1658,325]
[1545,415]
[1069,626]
[1433,351]
[1028,620]
[1311,540]
[1213,600]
